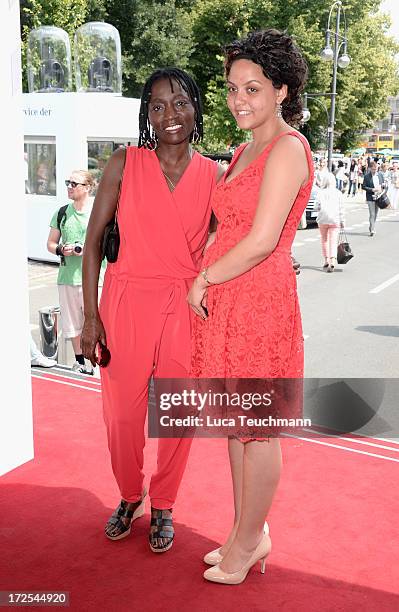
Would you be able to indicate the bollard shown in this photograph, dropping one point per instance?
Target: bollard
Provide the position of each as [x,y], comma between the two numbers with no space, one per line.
[51,338]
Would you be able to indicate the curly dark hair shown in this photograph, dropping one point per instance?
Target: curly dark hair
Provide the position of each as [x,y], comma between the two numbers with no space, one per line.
[281,61]
[188,84]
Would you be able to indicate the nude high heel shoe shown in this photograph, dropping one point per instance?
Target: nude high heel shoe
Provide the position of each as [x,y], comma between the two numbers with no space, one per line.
[214,557]
[215,574]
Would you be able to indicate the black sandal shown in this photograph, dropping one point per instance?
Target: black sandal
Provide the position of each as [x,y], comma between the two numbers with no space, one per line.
[127,510]
[164,531]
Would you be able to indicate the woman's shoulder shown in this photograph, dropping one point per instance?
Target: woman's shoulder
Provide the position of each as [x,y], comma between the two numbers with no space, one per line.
[293,136]
[289,142]
[134,150]
[206,165]
[207,161]
[291,148]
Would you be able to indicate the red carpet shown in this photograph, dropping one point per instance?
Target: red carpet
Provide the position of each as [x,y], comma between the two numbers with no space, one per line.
[333,524]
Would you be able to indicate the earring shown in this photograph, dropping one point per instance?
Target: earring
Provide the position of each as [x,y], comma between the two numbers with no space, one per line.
[195,135]
[153,139]
[279,110]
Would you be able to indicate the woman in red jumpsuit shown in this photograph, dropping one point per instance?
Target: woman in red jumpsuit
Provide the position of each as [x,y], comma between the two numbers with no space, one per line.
[144,320]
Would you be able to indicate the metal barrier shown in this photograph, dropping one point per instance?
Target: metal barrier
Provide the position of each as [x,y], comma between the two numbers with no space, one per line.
[53,344]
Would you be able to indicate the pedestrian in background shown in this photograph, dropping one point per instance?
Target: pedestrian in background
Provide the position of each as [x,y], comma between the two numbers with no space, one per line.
[373,184]
[330,218]
[66,239]
[361,170]
[385,172]
[321,171]
[341,177]
[393,185]
[353,177]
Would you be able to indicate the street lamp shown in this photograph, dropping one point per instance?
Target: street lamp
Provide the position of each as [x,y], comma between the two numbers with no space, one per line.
[332,53]
[305,114]
[315,97]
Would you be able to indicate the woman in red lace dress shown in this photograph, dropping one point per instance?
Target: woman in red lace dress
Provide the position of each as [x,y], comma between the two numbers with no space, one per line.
[247,284]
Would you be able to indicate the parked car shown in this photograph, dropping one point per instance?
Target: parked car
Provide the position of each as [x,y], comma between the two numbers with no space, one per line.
[311,213]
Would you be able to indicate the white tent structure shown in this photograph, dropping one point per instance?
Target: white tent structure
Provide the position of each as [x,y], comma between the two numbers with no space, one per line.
[16,432]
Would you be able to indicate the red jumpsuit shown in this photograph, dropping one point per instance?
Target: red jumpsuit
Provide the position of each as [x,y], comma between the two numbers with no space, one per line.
[145,314]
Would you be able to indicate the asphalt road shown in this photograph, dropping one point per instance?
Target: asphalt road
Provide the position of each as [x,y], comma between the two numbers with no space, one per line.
[350,319]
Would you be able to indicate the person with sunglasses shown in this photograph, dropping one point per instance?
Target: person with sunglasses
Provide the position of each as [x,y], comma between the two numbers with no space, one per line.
[66,239]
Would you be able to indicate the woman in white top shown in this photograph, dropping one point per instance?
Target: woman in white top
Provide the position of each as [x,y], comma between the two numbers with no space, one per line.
[329,219]
[341,176]
[393,188]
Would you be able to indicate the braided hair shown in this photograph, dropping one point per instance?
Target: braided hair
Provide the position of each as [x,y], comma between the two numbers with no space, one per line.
[187,83]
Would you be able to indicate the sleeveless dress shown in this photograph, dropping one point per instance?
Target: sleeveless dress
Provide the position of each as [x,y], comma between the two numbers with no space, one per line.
[254,327]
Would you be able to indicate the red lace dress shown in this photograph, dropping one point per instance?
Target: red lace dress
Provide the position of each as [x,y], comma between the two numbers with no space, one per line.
[254,327]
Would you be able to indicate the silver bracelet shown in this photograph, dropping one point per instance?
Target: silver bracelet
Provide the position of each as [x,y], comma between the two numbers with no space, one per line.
[204,274]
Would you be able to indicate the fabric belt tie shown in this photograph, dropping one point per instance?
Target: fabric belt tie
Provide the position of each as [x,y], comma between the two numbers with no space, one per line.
[175,304]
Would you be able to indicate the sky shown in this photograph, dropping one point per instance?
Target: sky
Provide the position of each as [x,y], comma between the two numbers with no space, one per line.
[392,7]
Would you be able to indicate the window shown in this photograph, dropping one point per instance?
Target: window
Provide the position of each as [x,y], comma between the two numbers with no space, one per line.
[40,166]
[99,152]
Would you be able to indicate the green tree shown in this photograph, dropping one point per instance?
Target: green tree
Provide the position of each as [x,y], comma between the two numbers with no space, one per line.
[191,34]
[216,23]
[362,88]
[156,33]
[220,129]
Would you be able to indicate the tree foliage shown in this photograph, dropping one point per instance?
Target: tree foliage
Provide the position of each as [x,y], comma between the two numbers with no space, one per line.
[153,34]
[191,34]
[362,88]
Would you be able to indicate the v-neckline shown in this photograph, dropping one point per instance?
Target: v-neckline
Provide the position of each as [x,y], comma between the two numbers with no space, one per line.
[182,176]
[231,167]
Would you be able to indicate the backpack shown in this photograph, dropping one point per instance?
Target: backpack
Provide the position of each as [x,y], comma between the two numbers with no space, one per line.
[61,216]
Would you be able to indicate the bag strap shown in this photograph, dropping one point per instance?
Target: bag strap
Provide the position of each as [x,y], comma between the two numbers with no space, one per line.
[61,216]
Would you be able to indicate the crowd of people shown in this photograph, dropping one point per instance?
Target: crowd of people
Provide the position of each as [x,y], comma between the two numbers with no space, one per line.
[350,174]
[374,176]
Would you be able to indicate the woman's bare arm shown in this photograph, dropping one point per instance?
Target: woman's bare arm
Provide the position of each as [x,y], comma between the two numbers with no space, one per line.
[104,209]
[278,191]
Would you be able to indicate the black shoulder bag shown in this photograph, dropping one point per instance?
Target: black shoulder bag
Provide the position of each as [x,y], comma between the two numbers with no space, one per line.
[344,252]
[382,201]
[111,239]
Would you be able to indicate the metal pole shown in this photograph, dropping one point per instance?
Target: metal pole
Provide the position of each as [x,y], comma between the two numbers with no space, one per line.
[334,89]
